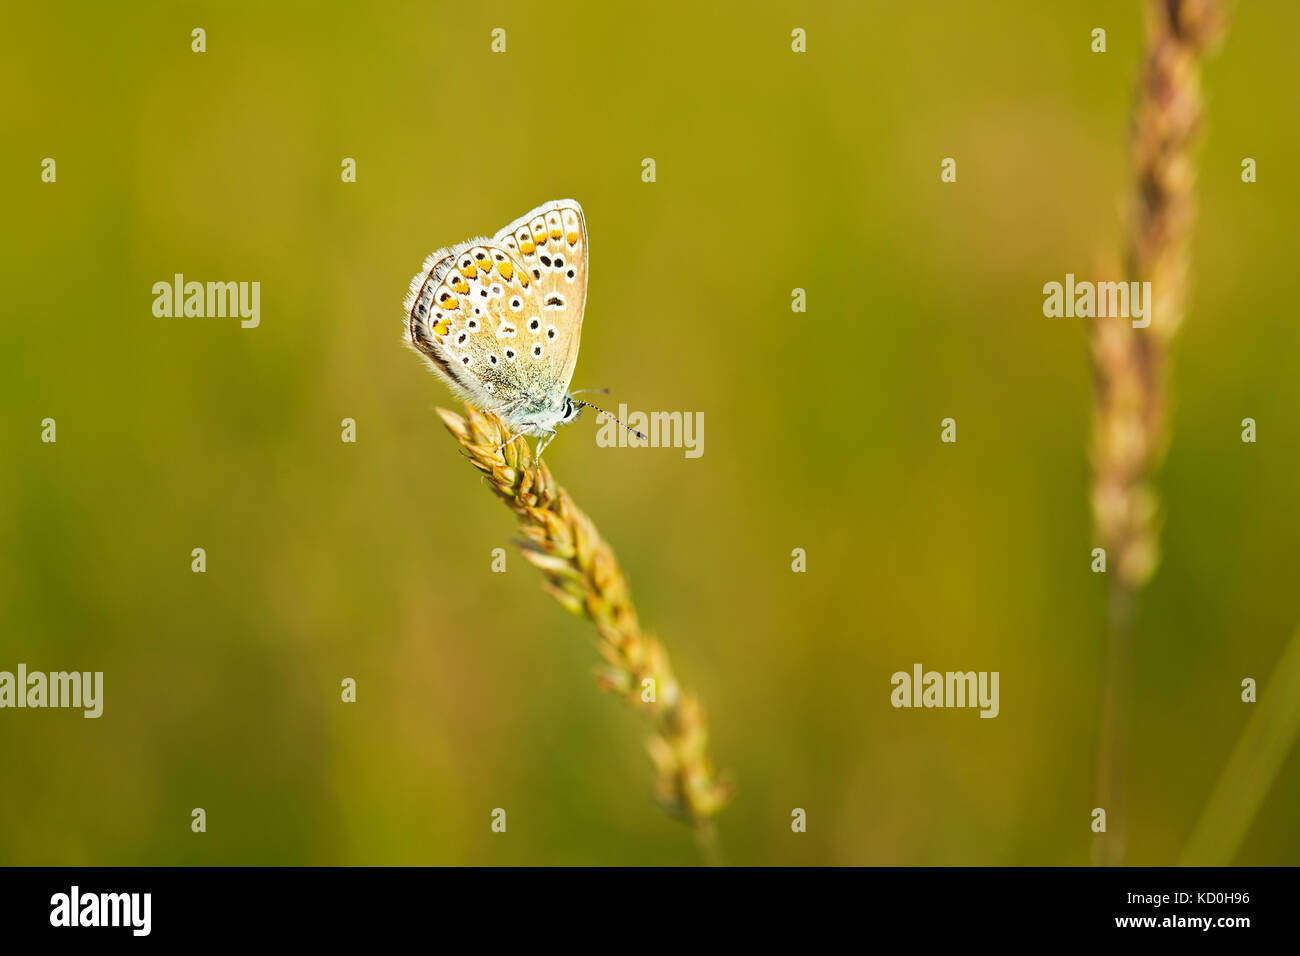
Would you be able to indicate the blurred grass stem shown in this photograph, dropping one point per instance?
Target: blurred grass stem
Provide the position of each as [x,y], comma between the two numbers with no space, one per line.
[1130,365]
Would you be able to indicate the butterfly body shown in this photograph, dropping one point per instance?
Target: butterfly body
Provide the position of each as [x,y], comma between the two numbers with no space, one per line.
[500,319]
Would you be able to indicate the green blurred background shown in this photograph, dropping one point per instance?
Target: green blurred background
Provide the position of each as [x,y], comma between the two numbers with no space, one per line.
[372,560]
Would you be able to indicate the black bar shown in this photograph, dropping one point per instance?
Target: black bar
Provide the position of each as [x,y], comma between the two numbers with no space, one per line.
[241,904]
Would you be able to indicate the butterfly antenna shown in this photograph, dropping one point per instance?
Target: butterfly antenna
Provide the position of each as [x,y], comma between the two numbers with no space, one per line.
[610,414]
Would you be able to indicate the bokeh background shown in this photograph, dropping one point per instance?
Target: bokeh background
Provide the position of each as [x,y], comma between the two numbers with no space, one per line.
[372,560]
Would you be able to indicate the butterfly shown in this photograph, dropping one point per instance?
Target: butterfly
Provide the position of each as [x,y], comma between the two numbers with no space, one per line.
[500,319]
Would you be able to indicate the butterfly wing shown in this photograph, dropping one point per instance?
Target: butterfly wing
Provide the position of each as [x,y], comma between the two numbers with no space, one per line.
[465,314]
[551,244]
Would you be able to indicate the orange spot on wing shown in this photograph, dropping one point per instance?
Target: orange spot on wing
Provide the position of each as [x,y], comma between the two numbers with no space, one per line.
[573,238]
[527,248]
[506,270]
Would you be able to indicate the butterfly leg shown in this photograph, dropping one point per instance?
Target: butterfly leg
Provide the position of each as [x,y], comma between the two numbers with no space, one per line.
[543,442]
[508,441]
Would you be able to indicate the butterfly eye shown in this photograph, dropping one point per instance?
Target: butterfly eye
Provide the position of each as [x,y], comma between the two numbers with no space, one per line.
[534,325]
[550,333]
[537,351]
[464,359]
[516,303]
[569,273]
[510,355]
[492,359]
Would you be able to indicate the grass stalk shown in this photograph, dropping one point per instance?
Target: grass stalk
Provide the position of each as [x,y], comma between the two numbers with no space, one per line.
[1130,431]
[583,575]
[1269,736]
